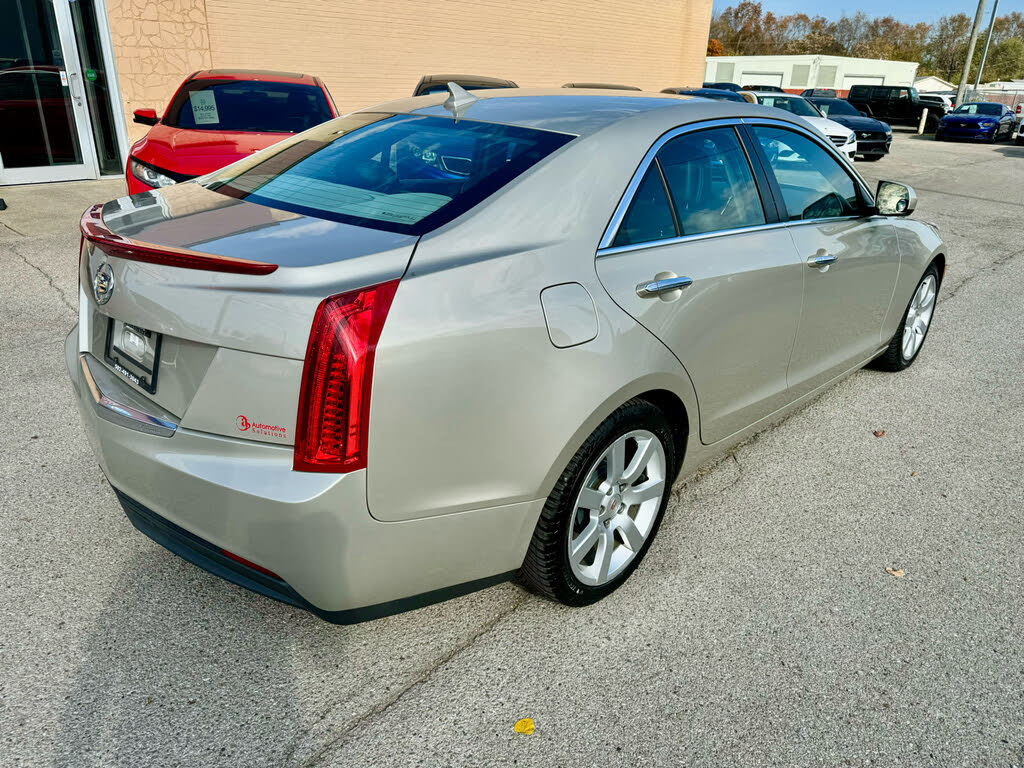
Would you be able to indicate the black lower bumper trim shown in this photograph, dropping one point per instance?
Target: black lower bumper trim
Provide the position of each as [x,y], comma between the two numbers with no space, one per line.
[209,557]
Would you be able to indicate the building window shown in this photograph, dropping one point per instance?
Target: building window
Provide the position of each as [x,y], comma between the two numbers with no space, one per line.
[827,76]
[801,73]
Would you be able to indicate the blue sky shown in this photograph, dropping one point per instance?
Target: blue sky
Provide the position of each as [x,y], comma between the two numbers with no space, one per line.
[910,11]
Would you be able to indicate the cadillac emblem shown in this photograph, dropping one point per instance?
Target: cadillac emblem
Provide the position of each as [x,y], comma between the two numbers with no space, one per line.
[103,283]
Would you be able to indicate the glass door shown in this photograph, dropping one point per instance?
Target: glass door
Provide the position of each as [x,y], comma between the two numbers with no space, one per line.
[43,116]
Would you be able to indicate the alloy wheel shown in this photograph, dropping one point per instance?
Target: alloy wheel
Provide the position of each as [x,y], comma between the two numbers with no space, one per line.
[617,507]
[919,315]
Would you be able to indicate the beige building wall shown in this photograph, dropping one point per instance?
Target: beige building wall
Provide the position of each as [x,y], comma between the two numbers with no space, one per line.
[368,51]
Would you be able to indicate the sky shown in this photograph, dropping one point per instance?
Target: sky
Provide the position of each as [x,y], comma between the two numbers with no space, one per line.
[909,11]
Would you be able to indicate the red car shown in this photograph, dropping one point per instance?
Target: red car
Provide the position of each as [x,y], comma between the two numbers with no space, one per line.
[218,116]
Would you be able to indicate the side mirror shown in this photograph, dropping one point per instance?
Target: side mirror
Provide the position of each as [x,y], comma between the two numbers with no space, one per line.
[146,117]
[895,199]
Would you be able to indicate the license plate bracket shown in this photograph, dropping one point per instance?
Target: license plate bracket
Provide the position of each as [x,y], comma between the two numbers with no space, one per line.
[134,353]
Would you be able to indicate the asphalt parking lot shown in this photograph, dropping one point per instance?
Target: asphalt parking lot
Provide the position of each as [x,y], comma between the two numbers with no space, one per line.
[762,629]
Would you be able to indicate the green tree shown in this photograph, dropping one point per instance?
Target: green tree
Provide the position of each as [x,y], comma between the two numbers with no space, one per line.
[1005,60]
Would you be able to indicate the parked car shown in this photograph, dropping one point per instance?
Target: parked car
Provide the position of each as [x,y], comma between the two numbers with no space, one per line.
[873,136]
[895,104]
[978,120]
[439,83]
[380,391]
[824,93]
[840,135]
[602,86]
[763,88]
[944,101]
[1019,136]
[707,93]
[723,86]
[218,116]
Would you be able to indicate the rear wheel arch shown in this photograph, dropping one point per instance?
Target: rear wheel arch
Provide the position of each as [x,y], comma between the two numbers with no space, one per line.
[678,418]
[940,263]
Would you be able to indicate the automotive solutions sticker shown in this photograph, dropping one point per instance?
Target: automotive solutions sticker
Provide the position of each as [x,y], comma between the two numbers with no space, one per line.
[204,107]
[256,428]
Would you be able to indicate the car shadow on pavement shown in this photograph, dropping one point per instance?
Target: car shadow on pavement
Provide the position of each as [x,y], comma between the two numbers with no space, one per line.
[181,668]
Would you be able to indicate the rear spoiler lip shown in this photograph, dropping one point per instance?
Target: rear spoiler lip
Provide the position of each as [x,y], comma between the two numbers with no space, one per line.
[112,244]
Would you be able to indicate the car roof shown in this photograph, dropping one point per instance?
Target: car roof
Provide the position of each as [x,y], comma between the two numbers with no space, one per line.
[576,111]
[266,75]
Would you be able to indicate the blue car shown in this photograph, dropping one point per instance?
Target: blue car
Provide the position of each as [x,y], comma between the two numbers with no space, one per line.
[978,120]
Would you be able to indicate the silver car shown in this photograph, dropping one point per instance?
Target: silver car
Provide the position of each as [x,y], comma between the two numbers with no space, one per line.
[443,342]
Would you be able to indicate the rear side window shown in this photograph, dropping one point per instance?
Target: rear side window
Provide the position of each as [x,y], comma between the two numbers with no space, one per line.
[710,181]
[698,183]
[649,216]
[813,184]
[247,105]
[400,173]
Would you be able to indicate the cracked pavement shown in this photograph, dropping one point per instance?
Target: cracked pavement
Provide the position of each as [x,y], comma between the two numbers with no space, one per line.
[761,629]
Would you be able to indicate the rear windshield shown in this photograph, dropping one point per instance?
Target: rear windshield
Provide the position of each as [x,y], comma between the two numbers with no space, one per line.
[979,109]
[247,105]
[400,173]
[830,107]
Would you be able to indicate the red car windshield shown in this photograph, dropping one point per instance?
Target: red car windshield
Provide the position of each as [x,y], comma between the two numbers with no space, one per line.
[247,106]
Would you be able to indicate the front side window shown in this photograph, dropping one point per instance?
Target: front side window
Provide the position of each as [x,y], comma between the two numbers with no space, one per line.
[399,173]
[813,183]
[247,105]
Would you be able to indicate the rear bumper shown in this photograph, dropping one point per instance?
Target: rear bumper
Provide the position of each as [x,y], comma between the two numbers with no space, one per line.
[197,493]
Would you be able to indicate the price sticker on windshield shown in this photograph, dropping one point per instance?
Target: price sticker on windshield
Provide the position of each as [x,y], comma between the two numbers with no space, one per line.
[204,107]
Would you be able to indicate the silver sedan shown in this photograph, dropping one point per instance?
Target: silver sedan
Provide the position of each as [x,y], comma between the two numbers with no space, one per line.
[458,338]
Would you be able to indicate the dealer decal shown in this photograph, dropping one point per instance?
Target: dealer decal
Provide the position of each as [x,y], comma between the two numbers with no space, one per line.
[245,424]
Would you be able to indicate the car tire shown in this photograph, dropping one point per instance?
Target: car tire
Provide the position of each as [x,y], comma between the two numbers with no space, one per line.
[872,158]
[899,355]
[1020,141]
[548,568]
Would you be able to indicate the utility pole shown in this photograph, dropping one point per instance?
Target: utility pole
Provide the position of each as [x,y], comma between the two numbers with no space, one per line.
[962,88]
[988,39]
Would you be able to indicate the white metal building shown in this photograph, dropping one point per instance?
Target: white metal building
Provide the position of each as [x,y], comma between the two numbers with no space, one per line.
[795,73]
[933,84]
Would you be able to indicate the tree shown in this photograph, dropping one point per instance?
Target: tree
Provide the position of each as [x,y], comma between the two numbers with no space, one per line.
[1005,60]
[715,47]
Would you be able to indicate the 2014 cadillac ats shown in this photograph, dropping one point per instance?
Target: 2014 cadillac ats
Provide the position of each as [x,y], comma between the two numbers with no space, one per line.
[424,347]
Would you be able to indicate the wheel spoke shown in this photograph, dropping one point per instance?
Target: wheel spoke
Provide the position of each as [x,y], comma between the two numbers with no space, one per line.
[617,460]
[642,457]
[631,535]
[590,499]
[603,559]
[652,489]
[585,542]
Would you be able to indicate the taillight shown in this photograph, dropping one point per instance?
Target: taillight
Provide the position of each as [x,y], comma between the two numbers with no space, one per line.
[97,233]
[334,402]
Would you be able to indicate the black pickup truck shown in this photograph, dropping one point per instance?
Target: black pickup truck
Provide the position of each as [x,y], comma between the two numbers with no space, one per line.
[895,104]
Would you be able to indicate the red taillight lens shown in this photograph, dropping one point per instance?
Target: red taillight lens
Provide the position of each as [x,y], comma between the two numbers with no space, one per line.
[334,402]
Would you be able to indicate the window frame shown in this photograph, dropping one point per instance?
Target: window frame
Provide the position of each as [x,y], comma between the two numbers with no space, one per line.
[865,199]
[767,198]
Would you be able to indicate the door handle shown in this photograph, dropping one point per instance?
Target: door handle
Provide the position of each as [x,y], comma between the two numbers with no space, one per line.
[654,288]
[75,87]
[821,260]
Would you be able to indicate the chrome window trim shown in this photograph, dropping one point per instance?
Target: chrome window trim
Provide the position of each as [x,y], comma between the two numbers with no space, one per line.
[605,248]
[627,197]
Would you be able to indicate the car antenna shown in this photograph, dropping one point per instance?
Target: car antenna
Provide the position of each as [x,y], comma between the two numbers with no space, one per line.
[459,101]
